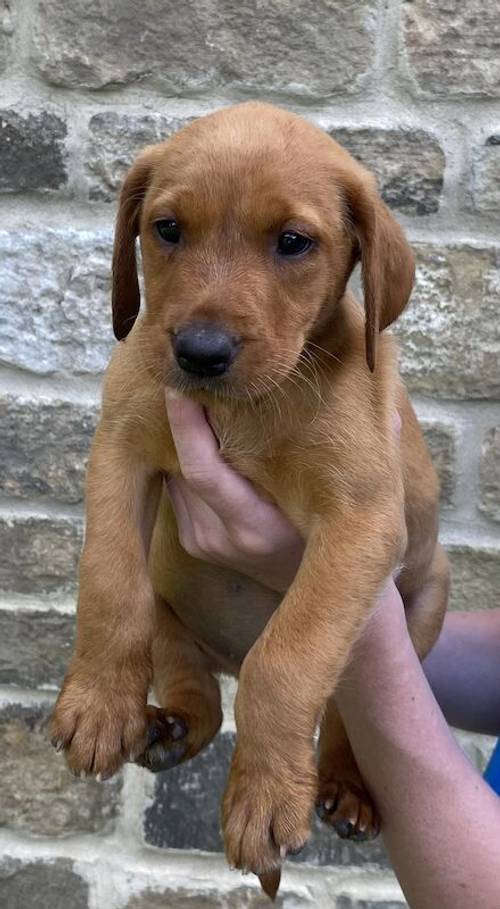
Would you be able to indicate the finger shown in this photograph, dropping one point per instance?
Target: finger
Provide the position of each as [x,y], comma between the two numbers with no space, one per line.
[206,473]
[182,515]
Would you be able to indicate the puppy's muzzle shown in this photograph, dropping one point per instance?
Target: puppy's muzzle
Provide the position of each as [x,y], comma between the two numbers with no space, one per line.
[204,349]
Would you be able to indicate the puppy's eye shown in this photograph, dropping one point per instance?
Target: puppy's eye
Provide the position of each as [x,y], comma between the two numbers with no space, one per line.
[168,230]
[290,243]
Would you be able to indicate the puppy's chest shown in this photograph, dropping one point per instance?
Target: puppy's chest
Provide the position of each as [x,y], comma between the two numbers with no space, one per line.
[273,462]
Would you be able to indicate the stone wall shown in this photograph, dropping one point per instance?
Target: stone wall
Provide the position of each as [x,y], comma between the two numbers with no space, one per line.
[413,89]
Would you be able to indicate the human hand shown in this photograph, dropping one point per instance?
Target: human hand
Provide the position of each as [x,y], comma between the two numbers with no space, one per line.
[220,516]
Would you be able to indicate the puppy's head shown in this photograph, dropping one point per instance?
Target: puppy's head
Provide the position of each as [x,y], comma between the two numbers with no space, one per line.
[251,221]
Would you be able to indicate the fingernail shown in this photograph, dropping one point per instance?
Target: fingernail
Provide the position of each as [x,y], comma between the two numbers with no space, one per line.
[172,394]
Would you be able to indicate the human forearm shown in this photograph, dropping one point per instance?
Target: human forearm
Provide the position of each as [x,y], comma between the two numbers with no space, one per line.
[440,822]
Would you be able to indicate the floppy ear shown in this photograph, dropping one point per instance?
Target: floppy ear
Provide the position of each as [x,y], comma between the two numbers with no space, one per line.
[125,296]
[387,263]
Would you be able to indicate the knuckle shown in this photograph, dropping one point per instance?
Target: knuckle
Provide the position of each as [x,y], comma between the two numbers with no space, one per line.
[199,479]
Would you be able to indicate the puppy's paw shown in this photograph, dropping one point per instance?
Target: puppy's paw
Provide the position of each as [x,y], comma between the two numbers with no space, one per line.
[98,724]
[167,741]
[347,807]
[266,814]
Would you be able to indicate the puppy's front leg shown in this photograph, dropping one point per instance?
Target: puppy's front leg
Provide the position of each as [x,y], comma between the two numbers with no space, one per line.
[288,676]
[100,715]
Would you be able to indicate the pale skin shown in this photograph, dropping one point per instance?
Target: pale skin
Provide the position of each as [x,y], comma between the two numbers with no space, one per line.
[440,821]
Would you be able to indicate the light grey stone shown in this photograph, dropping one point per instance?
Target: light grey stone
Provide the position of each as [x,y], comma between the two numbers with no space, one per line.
[35,647]
[45,447]
[39,554]
[450,333]
[408,163]
[46,883]
[441,440]
[489,502]
[32,151]
[115,140]
[55,310]
[38,793]
[475,576]
[486,176]
[6,30]
[302,48]
[351,902]
[452,48]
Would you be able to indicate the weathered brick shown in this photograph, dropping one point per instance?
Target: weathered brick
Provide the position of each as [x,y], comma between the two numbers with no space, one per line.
[39,554]
[32,152]
[55,313]
[486,176]
[45,447]
[450,333]
[42,883]
[35,647]
[281,46]
[489,502]
[6,29]
[38,793]
[115,140]
[475,573]
[408,163]
[452,48]
[185,813]
[441,440]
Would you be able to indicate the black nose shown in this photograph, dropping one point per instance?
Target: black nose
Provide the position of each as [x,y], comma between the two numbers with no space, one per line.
[204,349]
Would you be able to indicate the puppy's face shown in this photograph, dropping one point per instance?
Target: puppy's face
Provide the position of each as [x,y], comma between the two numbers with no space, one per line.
[247,241]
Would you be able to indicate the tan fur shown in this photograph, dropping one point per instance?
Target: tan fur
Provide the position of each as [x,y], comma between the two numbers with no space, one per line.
[307,414]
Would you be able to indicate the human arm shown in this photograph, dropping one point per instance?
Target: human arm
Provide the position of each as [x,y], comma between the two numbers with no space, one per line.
[440,821]
[463,670]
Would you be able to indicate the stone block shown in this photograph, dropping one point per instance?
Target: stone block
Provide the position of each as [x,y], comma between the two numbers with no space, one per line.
[408,163]
[45,447]
[32,151]
[489,474]
[451,48]
[298,48]
[39,554]
[56,311]
[38,794]
[450,333]
[115,140]
[35,647]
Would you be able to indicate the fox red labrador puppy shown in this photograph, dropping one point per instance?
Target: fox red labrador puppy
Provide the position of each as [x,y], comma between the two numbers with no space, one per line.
[251,221]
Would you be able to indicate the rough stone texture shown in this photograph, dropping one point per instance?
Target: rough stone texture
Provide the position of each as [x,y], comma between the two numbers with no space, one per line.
[486,176]
[239,898]
[115,140]
[35,647]
[6,29]
[441,439]
[408,163]
[450,333]
[185,813]
[44,448]
[347,902]
[32,153]
[38,884]
[39,554]
[38,793]
[452,48]
[55,313]
[281,46]
[490,474]
[475,574]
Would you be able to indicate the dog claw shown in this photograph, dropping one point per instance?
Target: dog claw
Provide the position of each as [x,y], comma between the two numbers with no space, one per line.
[270,882]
